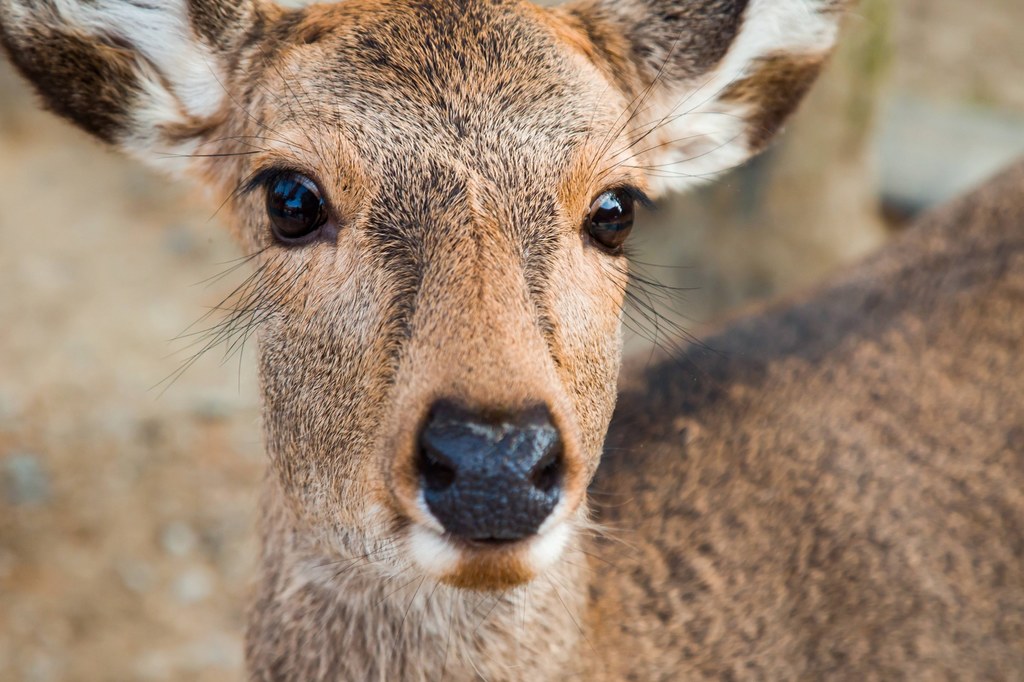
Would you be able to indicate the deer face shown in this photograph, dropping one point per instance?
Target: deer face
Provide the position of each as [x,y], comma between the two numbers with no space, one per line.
[437,195]
[440,364]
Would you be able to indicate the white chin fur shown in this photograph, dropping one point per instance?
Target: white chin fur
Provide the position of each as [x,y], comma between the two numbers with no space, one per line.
[432,553]
[437,557]
[547,548]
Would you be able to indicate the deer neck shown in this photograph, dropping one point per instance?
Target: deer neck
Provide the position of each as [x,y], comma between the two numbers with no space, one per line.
[342,615]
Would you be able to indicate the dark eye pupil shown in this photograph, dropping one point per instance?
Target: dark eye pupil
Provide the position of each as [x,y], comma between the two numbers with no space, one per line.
[295,207]
[609,209]
[611,218]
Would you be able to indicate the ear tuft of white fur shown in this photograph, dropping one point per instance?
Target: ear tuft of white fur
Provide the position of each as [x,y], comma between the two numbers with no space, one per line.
[180,78]
[699,134]
[161,33]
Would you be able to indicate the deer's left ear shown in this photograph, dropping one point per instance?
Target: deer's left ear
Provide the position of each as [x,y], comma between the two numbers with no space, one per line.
[710,81]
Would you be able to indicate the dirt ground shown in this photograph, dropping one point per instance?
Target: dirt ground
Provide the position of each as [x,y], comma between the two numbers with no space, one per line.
[126,515]
[127,507]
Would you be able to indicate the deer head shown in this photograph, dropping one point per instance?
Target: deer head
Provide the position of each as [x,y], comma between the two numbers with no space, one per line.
[436,195]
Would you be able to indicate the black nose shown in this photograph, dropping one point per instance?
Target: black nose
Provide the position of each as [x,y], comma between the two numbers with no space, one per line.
[490,479]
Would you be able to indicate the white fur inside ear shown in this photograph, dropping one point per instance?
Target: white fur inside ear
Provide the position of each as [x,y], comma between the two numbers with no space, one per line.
[161,33]
[145,142]
[179,75]
[699,136]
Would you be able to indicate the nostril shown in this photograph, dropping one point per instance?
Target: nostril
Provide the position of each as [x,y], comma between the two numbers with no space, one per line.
[546,475]
[490,478]
[437,473]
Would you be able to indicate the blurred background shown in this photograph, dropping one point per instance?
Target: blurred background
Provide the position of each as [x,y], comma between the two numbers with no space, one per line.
[127,509]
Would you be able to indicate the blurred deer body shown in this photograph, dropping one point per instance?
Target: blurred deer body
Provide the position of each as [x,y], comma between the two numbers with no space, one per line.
[436,195]
[834,487]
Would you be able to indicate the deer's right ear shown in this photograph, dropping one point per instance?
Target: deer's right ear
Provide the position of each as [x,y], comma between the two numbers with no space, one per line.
[149,77]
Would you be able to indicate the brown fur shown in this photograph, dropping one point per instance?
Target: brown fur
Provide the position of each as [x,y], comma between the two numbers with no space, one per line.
[96,82]
[838,480]
[771,501]
[769,92]
[683,41]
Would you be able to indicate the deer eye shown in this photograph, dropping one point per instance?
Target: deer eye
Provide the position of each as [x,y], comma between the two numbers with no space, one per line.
[295,207]
[611,218]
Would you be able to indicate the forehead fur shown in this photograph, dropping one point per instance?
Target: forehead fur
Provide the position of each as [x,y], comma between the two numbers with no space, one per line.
[469,74]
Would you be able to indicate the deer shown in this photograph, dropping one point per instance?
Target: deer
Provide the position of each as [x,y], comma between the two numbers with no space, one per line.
[436,197]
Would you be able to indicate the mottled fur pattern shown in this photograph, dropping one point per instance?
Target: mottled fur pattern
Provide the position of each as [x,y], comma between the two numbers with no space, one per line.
[459,145]
[838,481]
